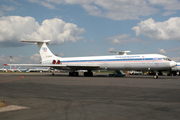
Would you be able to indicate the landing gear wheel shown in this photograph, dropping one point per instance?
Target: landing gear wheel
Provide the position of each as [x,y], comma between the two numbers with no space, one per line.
[70,73]
[73,74]
[155,77]
[89,74]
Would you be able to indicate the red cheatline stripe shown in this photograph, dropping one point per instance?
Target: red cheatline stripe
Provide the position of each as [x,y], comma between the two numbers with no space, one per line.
[10,80]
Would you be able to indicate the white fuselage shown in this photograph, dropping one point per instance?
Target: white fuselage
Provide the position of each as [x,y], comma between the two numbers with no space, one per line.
[120,62]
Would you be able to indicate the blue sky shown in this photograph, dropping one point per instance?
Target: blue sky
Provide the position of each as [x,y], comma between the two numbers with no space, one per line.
[88,27]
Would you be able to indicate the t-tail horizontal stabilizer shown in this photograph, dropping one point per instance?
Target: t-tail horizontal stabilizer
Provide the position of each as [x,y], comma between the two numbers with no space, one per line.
[44,51]
[36,41]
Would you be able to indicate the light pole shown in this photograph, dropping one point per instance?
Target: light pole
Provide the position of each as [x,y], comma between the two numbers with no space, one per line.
[10,60]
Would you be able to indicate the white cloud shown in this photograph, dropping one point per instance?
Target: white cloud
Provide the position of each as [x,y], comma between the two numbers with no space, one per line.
[167,13]
[167,30]
[3,59]
[5,8]
[166,4]
[47,5]
[113,9]
[92,40]
[92,54]
[20,59]
[177,59]
[124,39]
[1,12]
[16,28]
[43,3]
[111,49]
[61,54]
[119,9]
[56,1]
[59,31]
[169,6]
[162,51]
[35,57]
[123,9]
[172,49]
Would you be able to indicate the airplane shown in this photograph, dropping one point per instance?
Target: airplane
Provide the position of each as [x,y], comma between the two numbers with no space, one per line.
[122,61]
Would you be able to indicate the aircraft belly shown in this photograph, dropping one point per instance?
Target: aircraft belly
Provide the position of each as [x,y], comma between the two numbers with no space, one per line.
[121,66]
[138,66]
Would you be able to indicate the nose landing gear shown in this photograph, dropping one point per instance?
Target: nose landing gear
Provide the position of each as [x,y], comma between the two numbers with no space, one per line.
[156,76]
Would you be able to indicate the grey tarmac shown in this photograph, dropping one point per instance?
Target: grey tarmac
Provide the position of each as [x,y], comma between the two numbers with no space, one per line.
[61,97]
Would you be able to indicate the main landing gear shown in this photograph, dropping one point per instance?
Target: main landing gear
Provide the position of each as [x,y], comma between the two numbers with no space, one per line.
[53,72]
[73,73]
[87,74]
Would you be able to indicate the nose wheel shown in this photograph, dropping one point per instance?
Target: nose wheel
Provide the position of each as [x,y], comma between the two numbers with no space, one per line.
[156,76]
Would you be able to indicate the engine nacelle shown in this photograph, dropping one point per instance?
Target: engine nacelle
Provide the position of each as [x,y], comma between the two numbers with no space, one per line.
[54,62]
[51,62]
[58,62]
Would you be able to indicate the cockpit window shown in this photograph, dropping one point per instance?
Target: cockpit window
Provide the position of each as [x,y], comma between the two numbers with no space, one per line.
[166,58]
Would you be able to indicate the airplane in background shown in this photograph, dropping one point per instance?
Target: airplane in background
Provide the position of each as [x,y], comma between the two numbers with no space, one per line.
[175,70]
[13,70]
[23,70]
[38,69]
[122,61]
[3,69]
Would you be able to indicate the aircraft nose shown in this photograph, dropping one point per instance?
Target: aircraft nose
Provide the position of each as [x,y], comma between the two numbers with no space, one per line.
[173,63]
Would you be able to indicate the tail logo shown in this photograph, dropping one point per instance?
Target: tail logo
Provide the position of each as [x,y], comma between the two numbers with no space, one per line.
[44,49]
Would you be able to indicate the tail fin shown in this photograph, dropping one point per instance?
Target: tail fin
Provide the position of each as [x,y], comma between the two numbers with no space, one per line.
[44,51]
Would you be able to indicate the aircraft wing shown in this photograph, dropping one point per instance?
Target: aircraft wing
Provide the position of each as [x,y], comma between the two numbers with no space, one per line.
[83,67]
[58,66]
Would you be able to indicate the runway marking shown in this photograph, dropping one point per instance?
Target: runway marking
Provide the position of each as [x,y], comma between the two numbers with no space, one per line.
[10,80]
[12,108]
